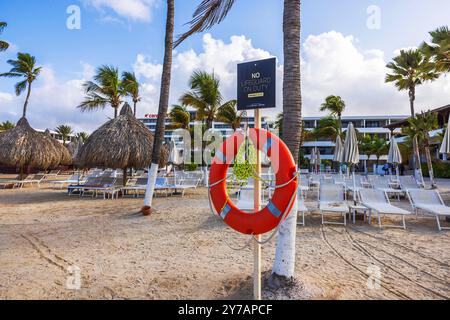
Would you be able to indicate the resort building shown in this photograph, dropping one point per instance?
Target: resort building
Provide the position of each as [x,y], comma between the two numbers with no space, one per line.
[367,125]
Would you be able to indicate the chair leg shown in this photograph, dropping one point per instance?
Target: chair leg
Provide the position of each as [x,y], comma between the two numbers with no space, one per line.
[438,223]
[404,222]
[379,220]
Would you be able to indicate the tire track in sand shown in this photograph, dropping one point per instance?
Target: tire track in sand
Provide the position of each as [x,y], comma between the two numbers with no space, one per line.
[384,284]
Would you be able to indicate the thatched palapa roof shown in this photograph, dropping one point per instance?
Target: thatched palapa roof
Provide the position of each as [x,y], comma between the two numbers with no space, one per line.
[66,158]
[23,146]
[123,142]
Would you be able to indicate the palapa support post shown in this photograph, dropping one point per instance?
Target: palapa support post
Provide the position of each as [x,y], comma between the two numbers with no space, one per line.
[257,207]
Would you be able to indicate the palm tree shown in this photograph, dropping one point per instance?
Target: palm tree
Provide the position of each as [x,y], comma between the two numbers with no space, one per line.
[410,69]
[179,117]
[205,96]
[212,12]
[105,89]
[336,106]
[23,67]
[420,127]
[6,125]
[438,51]
[130,85]
[162,109]
[328,128]
[65,131]
[379,147]
[229,115]
[3,44]
[83,136]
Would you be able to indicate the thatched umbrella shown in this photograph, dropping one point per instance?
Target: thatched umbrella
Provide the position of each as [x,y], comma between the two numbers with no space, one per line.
[74,149]
[22,146]
[121,143]
[66,158]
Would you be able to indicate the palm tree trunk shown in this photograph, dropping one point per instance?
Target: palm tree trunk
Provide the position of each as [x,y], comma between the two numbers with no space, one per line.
[124,177]
[25,106]
[430,165]
[162,110]
[284,264]
[417,165]
[412,98]
[135,107]
[115,111]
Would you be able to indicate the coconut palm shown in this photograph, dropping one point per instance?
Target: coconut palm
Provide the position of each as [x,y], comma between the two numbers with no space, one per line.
[162,108]
[106,89]
[179,117]
[408,70]
[3,44]
[82,136]
[378,147]
[328,128]
[336,106]
[205,96]
[212,12]
[24,67]
[6,126]
[130,85]
[438,51]
[228,114]
[65,131]
[420,127]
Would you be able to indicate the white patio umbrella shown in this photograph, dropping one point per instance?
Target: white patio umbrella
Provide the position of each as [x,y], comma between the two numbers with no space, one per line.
[445,146]
[351,152]
[394,155]
[315,158]
[338,152]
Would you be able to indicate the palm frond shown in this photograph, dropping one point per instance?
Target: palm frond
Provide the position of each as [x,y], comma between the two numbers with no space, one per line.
[207,14]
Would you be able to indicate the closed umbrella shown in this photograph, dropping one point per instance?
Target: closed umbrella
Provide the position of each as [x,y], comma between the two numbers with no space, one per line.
[445,146]
[338,152]
[351,152]
[318,160]
[313,159]
[394,155]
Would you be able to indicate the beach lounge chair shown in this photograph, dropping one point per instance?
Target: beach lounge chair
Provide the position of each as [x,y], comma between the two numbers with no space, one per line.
[408,183]
[135,187]
[332,200]
[378,201]
[162,184]
[383,184]
[105,185]
[9,182]
[76,178]
[301,207]
[91,181]
[186,184]
[53,173]
[30,180]
[430,202]
[246,200]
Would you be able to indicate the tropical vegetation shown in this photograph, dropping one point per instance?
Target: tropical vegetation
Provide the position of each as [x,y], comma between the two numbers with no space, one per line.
[65,132]
[24,67]
[6,125]
[336,106]
[3,44]
[106,89]
[130,86]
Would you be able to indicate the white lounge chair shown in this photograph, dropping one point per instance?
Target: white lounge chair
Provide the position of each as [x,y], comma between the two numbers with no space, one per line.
[246,200]
[378,201]
[408,183]
[301,207]
[383,184]
[34,179]
[75,178]
[429,201]
[332,200]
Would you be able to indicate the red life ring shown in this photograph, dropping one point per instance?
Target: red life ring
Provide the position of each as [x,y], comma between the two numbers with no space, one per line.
[283,163]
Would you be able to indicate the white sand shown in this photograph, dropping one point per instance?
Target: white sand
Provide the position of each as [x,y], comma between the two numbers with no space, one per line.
[181,253]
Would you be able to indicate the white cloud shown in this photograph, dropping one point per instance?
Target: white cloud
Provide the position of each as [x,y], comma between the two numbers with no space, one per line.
[54,102]
[332,64]
[217,56]
[133,9]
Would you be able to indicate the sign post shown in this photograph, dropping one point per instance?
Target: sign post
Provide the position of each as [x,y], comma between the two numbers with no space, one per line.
[257,207]
[256,88]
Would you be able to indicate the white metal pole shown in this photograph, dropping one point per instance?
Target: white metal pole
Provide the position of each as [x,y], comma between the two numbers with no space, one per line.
[257,206]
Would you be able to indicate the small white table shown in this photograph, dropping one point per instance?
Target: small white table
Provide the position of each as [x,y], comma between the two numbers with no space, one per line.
[355,208]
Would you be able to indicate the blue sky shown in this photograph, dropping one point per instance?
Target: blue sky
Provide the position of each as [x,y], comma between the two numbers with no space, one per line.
[115,34]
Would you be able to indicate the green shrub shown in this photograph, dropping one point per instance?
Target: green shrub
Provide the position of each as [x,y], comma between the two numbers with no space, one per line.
[441,169]
[191,167]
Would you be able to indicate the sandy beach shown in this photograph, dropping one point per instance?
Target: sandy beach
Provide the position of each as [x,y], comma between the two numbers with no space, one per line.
[183,252]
